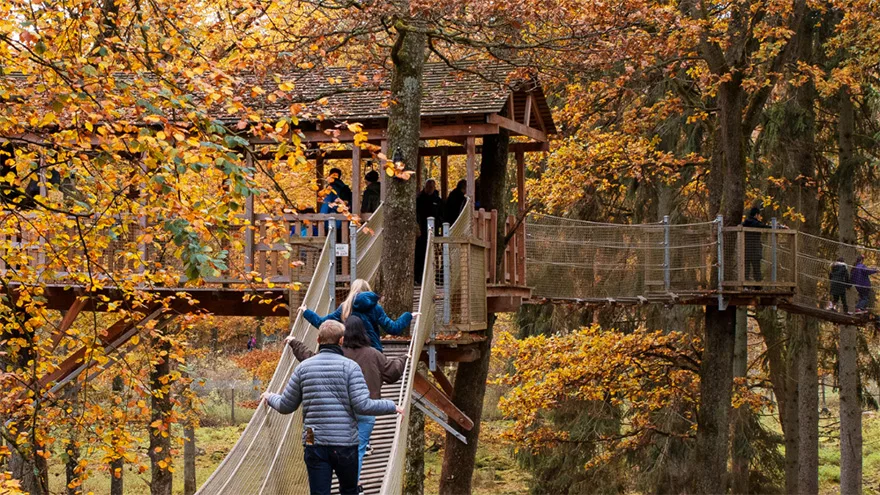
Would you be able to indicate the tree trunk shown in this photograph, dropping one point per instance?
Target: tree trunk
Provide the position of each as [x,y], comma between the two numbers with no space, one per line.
[259,337]
[116,466]
[740,453]
[459,459]
[850,405]
[160,428]
[414,479]
[808,407]
[401,228]
[716,374]
[189,459]
[716,381]
[791,427]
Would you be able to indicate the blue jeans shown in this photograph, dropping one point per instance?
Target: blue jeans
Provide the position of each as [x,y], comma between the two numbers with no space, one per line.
[365,429]
[865,298]
[323,460]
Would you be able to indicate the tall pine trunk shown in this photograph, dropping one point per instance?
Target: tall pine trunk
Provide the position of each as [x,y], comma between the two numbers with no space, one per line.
[740,454]
[116,480]
[850,405]
[459,459]
[401,229]
[716,372]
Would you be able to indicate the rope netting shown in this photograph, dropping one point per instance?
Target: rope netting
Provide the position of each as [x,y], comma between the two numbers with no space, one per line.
[568,259]
[571,259]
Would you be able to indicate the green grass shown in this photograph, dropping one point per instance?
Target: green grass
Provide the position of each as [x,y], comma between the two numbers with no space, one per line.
[829,454]
[213,444]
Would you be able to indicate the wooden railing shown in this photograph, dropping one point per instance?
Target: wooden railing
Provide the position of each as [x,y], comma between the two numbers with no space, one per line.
[513,266]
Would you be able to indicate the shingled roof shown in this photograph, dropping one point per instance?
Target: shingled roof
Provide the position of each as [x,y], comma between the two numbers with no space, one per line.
[354,94]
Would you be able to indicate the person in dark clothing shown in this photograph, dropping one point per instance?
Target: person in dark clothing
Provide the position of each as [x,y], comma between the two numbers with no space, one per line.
[333,392]
[753,248]
[839,278]
[372,194]
[860,277]
[377,370]
[428,204]
[455,202]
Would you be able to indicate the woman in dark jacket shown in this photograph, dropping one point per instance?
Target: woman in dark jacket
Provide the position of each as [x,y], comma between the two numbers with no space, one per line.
[364,304]
[377,370]
[839,278]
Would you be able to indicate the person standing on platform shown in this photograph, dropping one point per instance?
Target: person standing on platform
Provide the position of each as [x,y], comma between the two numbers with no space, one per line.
[754,251]
[332,391]
[860,277]
[455,202]
[372,194]
[338,190]
[839,280]
[377,370]
[428,205]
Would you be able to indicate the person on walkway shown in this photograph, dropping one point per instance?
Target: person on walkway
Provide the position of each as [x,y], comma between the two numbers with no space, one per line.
[372,194]
[754,251]
[860,277]
[364,304]
[338,190]
[332,391]
[377,370]
[252,343]
[428,205]
[839,279]
[455,202]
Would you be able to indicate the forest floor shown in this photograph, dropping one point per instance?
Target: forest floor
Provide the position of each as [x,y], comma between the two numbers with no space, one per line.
[829,452]
[497,471]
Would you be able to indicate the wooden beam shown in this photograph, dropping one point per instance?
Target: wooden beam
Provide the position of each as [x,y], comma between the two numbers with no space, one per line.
[471,168]
[432,394]
[444,173]
[78,304]
[527,147]
[460,354]
[527,119]
[427,132]
[319,177]
[249,230]
[356,180]
[520,181]
[444,382]
[511,106]
[516,128]
[503,304]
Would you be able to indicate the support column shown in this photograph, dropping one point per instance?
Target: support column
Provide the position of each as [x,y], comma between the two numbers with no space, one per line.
[520,180]
[319,175]
[249,230]
[384,190]
[471,167]
[356,180]
[444,173]
[420,167]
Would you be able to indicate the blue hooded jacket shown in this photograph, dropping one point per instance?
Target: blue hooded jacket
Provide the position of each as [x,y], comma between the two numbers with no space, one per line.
[366,306]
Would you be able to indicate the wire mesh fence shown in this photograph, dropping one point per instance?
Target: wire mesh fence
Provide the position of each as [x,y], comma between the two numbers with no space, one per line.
[835,276]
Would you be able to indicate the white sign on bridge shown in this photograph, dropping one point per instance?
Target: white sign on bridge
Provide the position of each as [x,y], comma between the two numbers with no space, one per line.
[341,250]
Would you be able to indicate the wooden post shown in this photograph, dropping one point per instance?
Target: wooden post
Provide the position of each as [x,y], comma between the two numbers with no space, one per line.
[527,119]
[521,180]
[741,256]
[356,180]
[384,190]
[232,407]
[444,173]
[420,165]
[249,228]
[319,175]
[471,168]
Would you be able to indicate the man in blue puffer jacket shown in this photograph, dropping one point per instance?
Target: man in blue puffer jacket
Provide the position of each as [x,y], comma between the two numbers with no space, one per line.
[332,391]
[364,305]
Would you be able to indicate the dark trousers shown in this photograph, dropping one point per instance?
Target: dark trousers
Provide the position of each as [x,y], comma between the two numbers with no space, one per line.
[753,268]
[865,298]
[323,460]
[841,298]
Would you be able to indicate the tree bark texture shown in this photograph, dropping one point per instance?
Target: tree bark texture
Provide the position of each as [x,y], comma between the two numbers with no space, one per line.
[401,227]
[189,459]
[160,403]
[716,382]
[850,404]
[740,454]
[808,407]
[117,485]
[459,459]
[414,479]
